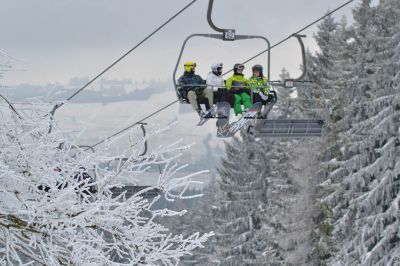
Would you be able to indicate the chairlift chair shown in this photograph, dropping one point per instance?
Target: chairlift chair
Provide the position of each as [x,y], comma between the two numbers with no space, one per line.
[227,35]
[262,127]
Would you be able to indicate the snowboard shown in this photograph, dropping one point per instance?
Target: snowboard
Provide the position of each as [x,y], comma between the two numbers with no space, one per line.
[223,110]
[204,119]
[251,114]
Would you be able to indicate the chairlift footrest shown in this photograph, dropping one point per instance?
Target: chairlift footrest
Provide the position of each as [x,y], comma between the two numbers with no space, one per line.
[291,128]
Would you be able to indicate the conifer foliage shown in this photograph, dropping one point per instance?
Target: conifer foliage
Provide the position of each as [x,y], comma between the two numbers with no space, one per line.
[360,209]
[243,227]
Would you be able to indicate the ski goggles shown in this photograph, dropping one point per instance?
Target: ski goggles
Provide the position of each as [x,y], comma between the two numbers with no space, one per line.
[190,65]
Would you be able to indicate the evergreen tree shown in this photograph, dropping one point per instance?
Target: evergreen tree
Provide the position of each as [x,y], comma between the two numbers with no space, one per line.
[356,212]
[285,105]
[313,97]
[244,231]
[201,218]
[284,74]
[359,222]
[326,43]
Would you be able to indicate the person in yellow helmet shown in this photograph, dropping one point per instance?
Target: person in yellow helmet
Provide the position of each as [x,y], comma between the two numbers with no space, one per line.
[194,86]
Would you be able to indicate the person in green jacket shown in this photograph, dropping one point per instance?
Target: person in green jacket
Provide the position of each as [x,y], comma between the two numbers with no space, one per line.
[258,83]
[238,85]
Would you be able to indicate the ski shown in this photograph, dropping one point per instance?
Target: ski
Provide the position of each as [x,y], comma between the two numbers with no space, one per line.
[251,114]
[223,110]
[209,114]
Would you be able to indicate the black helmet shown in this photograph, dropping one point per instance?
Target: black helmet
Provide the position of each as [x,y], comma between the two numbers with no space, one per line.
[236,67]
[258,68]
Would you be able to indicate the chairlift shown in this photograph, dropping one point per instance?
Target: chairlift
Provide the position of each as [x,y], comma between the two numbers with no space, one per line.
[227,35]
[291,128]
[132,189]
[262,126]
[149,192]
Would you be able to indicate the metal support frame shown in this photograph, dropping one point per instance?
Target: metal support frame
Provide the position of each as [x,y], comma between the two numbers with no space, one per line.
[290,82]
[209,17]
[303,56]
[227,34]
[142,124]
[144,135]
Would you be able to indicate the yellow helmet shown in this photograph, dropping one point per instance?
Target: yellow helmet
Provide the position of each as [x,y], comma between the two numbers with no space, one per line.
[189,66]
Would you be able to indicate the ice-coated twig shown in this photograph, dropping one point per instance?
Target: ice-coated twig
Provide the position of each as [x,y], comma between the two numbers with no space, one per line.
[48,216]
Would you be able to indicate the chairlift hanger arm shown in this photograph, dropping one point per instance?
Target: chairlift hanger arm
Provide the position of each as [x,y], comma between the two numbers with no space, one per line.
[142,124]
[303,56]
[209,17]
[228,34]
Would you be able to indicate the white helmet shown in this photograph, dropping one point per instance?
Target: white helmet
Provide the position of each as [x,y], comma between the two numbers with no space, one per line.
[217,68]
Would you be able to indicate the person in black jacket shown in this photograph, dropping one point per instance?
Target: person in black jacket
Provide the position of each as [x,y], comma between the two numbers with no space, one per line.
[192,91]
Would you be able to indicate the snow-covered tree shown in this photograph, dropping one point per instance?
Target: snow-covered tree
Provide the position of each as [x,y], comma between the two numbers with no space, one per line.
[358,223]
[52,213]
[199,219]
[314,97]
[284,74]
[285,105]
[243,227]
[325,41]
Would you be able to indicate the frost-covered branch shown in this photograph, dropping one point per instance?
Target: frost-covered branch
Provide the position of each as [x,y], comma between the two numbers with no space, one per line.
[58,207]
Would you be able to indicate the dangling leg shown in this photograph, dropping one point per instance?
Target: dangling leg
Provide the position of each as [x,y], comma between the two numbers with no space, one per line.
[246,99]
[208,93]
[237,107]
[192,97]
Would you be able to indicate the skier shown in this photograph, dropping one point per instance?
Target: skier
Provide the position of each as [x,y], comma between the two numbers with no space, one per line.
[216,83]
[237,84]
[195,87]
[214,79]
[259,84]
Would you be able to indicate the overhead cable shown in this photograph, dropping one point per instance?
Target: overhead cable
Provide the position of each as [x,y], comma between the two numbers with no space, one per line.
[124,55]
[278,43]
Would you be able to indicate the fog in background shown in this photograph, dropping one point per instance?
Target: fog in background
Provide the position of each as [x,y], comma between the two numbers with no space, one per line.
[63,44]
[61,40]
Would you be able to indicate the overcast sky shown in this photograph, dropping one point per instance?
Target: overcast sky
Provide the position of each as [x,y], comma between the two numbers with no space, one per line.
[60,40]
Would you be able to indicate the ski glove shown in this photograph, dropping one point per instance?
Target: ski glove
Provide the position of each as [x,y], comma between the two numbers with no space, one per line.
[263,96]
[199,91]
